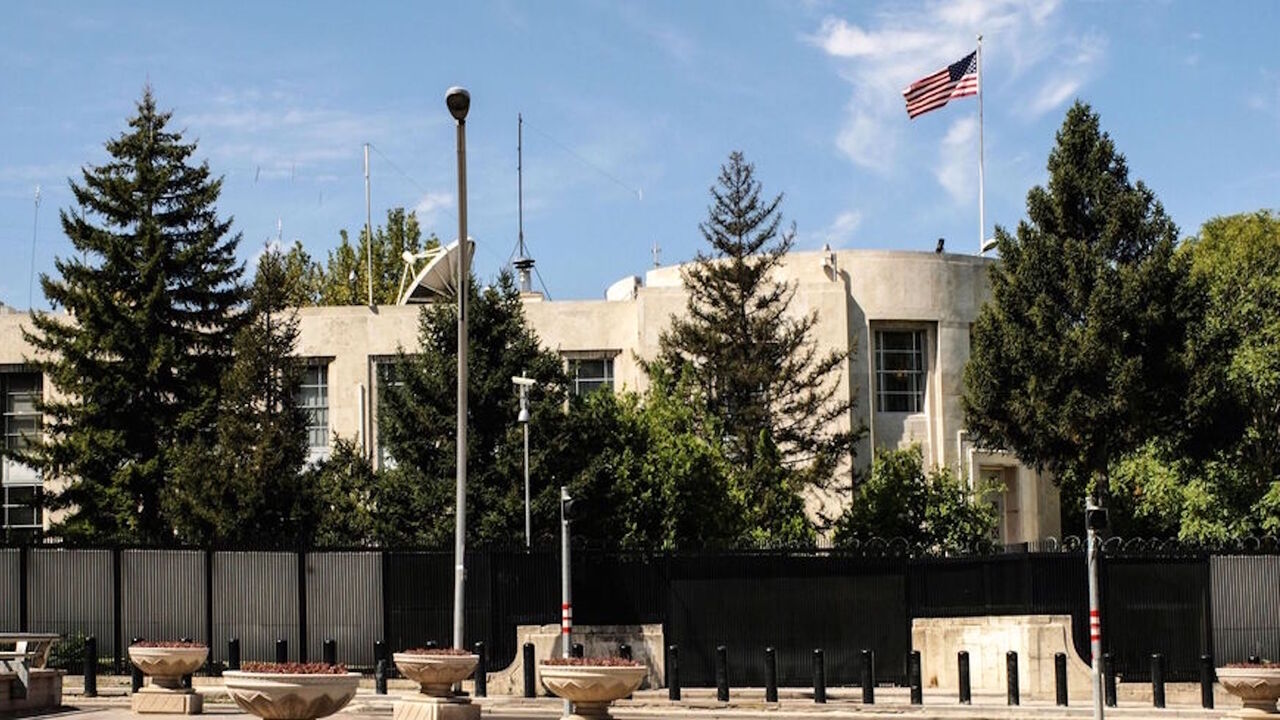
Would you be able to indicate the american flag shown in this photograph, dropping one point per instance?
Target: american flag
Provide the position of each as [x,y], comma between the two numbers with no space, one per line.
[957,80]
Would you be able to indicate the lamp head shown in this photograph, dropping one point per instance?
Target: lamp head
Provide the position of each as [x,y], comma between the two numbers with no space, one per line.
[523,417]
[459,102]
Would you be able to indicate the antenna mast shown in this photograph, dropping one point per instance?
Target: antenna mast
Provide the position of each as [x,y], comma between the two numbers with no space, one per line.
[523,263]
[35,224]
[368,225]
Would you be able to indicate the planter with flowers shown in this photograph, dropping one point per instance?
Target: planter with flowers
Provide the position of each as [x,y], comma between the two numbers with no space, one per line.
[1256,684]
[291,691]
[436,670]
[591,684]
[166,662]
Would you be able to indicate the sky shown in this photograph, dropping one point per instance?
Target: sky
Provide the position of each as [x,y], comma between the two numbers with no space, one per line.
[630,109]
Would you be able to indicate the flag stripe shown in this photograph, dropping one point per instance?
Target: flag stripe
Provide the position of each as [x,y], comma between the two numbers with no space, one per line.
[957,80]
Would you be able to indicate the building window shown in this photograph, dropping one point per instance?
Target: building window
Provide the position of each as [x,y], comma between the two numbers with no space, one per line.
[23,515]
[590,374]
[20,487]
[21,392]
[387,373]
[900,371]
[313,398]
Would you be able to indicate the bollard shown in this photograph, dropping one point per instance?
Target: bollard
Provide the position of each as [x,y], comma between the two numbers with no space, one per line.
[913,677]
[1011,669]
[482,673]
[186,679]
[1109,679]
[819,677]
[91,666]
[135,675]
[282,651]
[233,654]
[432,645]
[330,652]
[673,673]
[1060,677]
[966,694]
[868,677]
[380,677]
[576,650]
[722,673]
[770,675]
[1157,680]
[1206,681]
[530,680]
[624,651]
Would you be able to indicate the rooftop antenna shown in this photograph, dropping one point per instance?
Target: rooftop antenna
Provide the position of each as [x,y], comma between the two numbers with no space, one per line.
[657,254]
[368,226]
[523,263]
[35,224]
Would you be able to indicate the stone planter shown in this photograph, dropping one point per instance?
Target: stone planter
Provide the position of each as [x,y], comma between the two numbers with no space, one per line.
[166,666]
[592,688]
[290,696]
[1257,687]
[436,674]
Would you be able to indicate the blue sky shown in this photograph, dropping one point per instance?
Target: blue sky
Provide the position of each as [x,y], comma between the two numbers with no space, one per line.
[630,108]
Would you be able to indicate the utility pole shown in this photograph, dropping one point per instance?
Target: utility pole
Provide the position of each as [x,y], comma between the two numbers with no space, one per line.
[1095,519]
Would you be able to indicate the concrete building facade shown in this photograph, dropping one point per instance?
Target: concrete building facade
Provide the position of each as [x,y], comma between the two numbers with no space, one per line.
[904,317]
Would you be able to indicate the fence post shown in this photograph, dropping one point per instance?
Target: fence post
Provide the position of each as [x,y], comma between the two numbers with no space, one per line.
[302,606]
[282,651]
[1011,669]
[482,673]
[233,654]
[673,673]
[722,673]
[819,677]
[1206,681]
[529,669]
[966,693]
[770,675]
[117,613]
[135,675]
[330,651]
[1060,677]
[91,666]
[1109,679]
[24,569]
[1157,680]
[868,677]
[913,677]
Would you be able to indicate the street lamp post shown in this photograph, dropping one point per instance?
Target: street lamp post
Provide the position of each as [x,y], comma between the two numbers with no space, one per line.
[524,384]
[1095,518]
[458,100]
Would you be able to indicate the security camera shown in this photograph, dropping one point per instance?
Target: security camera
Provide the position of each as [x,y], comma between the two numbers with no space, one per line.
[526,382]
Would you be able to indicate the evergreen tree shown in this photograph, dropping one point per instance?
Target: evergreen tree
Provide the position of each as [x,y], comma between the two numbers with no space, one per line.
[1076,357]
[151,292]
[245,486]
[755,361]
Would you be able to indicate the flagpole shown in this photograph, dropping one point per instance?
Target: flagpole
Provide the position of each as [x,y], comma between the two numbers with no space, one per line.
[982,200]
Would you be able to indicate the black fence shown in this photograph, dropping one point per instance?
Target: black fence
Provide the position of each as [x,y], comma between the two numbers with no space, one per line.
[791,601]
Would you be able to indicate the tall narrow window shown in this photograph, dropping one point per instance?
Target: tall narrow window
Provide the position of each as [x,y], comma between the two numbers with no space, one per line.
[900,371]
[313,398]
[590,374]
[20,486]
[386,374]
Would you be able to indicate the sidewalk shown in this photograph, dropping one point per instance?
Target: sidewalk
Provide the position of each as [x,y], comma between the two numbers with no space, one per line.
[697,703]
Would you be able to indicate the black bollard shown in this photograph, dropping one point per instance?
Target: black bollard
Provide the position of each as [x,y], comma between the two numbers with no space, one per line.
[1206,681]
[1060,677]
[576,650]
[330,652]
[913,677]
[868,677]
[722,673]
[135,675]
[233,654]
[1157,680]
[91,666]
[673,673]
[1011,670]
[482,673]
[1109,680]
[282,651]
[966,693]
[380,677]
[186,679]
[819,677]
[379,651]
[432,645]
[530,680]
[770,675]
[624,651]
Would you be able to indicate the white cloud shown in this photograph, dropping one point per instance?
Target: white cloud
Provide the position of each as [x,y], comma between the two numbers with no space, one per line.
[841,230]
[959,154]
[879,58]
[431,205]
[1053,94]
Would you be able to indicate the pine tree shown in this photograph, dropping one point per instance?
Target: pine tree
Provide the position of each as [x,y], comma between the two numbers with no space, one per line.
[151,293]
[754,360]
[246,486]
[1076,357]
